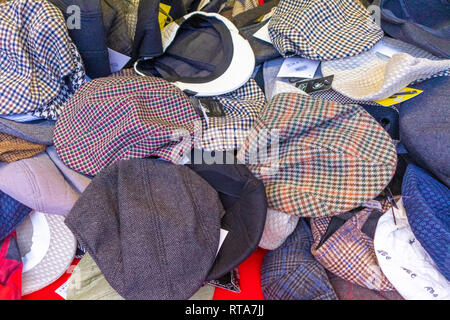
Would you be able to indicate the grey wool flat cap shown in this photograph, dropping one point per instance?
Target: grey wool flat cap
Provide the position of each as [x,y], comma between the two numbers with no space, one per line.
[152,228]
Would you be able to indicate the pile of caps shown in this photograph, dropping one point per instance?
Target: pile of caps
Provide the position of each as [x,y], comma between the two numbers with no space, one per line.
[153,146]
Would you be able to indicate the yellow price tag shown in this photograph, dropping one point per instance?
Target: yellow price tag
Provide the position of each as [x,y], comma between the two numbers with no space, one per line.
[162,18]
[399,97]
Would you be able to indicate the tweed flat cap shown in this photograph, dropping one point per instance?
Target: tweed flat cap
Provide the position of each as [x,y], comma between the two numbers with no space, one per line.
[41,67]
[322,30]
[374,76]
[147,245]
[120,118]
[291,272]
[348,252]
[14,149]
[328,158]
[427,205]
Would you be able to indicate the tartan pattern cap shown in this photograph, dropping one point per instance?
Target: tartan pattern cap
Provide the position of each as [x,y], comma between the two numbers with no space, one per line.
[322,30]
[291,272]
[120,118]
[241,108]
[40,67]
[329,158]
[349,253]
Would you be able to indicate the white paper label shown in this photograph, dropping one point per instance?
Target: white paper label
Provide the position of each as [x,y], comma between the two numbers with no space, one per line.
[223,235]
[202,4]
[117,60]
[298,68]
[62,291]
[263,34]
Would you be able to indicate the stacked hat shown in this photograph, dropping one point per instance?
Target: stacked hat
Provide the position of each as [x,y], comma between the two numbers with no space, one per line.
[41,66]
[227,129]
[405,262]
[374,76]
[322,30]
[424,123]
[316,157]
[427,204]
[147,245]
[345,290]
[344,245]
[47,248]
[291,272]
[37,183]
[14,149]
[204,55]
[118,118]
[40,132]
[244,200]
[427,29]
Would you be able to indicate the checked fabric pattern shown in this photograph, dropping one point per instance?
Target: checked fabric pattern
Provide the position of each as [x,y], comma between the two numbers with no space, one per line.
[322,30]
[349,253]
[13,148]
[374,76]
[329,158]
[12,213]
[119,118]
[427,205]
[291,272]
[40,68]
[241,108]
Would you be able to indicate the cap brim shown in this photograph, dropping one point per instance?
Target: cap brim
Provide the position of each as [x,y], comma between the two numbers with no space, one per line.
[237,74]
[59,253]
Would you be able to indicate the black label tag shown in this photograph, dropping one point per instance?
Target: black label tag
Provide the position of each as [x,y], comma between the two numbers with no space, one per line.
[314,85]
[208,106]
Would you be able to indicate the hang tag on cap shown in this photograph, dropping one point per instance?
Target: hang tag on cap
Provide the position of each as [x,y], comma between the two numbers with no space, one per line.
[296,67]
[117,60]
[207,107]
[315,85]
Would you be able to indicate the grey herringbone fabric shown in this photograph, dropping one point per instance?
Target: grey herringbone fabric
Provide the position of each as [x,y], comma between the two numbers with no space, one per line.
[152,228]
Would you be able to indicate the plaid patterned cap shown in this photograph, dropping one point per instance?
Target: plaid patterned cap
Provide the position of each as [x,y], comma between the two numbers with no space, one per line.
[427,205]
[291,272]
[375,76]
[322,30]
[349,252]
[120,118]
[241,108]
[317,157]
[13,149]
[40,66]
